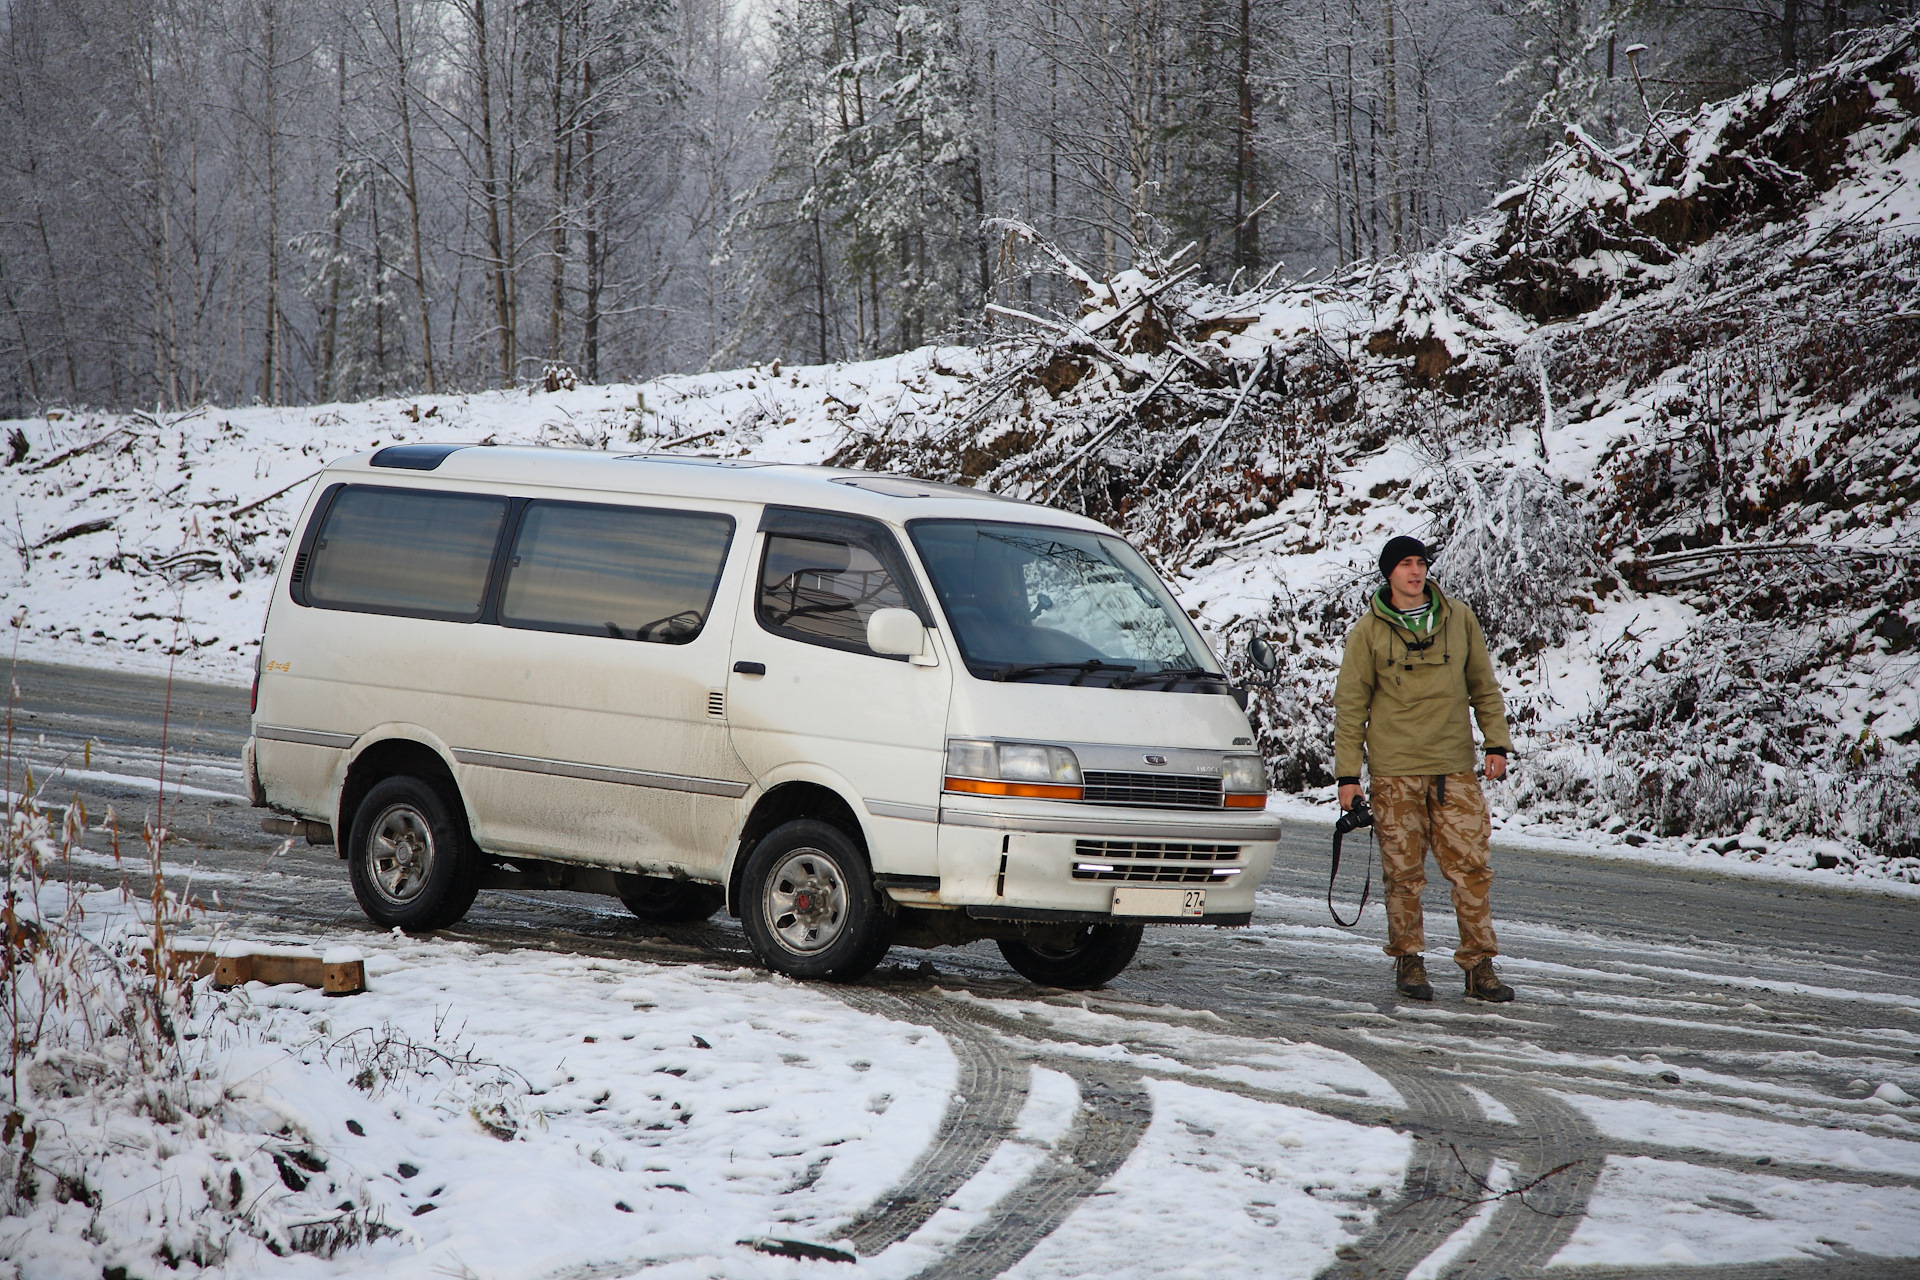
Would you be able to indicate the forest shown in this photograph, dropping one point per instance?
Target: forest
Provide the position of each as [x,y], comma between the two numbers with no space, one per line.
[307,201]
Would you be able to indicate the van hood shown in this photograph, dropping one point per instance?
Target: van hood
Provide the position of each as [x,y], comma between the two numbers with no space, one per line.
[1119,717]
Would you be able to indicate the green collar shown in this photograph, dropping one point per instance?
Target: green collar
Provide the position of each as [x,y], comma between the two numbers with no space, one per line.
[1418,621]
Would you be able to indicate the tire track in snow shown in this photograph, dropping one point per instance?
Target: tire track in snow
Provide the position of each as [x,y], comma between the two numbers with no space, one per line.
[989,1091]
[1114,1112]
[1527,1230]
[1440,1116]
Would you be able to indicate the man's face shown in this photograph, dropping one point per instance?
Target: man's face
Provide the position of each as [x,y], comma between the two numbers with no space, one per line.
[1409,577]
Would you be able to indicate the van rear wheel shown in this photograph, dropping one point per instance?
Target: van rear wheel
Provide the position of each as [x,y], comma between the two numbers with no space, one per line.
[809,906]
[659,900]
[409,857]
[1095,957]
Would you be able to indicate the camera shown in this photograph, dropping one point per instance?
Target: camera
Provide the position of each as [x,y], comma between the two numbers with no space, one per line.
[1354,819]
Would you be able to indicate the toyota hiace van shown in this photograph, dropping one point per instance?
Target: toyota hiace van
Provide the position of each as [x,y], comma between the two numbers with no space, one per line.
[853,709]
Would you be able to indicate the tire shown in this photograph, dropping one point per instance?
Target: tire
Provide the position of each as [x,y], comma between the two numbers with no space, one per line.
[660,900]
[1099,953]
[809,906]
[410,859]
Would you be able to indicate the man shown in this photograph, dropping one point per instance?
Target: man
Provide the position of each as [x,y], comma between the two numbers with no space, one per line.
[1413,665]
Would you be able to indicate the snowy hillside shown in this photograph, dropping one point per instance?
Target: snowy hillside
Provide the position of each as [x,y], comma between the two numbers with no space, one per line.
[1660,405]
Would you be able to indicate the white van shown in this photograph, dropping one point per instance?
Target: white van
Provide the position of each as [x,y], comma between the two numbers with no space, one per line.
[855,709]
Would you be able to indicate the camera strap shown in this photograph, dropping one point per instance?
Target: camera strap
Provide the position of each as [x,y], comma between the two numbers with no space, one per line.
[1366,891]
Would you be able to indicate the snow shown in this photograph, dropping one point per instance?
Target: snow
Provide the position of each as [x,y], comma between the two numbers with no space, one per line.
[649,1120]
[1218,1180]
[1646,1211]
[1636,1120]
[1491,1107]
[714,1105]
[1304,1070]
[1044,1121]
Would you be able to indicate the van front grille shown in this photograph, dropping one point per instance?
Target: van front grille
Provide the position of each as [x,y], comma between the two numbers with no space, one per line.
[1105,850]
[1153,790]
[1149,873]
[716,703]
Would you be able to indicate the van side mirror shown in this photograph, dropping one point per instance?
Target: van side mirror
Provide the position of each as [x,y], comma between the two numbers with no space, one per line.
[899,633]
[1261,654]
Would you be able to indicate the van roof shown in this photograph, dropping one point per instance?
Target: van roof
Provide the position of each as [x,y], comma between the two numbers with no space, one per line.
[881,495]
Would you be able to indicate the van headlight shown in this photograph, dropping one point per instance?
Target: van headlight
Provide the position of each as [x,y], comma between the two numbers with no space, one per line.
[1244,780]
[1030,769]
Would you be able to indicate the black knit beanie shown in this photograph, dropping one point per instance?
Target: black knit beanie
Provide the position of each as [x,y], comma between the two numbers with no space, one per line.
[1398,549]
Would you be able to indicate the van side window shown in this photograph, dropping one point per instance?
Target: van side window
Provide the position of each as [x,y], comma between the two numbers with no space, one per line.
[823,591]
[624,572]
[414,552]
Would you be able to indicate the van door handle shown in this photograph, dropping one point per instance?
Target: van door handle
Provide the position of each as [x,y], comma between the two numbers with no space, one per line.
[750,668]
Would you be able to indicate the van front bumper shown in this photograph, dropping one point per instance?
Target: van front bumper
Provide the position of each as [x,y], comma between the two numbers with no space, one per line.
[1041,860]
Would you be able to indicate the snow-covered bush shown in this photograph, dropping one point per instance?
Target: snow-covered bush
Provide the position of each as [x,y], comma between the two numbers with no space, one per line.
[125,1146]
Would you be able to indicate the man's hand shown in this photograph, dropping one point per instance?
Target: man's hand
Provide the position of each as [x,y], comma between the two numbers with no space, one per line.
[1348,794]
[1496,766]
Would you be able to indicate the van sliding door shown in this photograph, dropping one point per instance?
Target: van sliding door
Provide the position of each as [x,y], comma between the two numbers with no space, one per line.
[596,731]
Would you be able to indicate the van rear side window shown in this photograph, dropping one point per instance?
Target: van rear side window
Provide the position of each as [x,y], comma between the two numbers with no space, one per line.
[624,572]
[414,552]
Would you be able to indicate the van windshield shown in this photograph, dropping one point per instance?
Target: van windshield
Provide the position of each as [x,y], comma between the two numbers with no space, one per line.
[1060,606]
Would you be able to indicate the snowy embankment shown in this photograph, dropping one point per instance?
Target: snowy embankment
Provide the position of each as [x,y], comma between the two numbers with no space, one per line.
[138,538]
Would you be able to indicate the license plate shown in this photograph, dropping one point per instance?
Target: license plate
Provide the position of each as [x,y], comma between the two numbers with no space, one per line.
[1159,902]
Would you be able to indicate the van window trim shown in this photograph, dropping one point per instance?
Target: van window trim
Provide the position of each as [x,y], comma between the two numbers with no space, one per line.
[303,550]
[833,526]
[503,563]
[325,508]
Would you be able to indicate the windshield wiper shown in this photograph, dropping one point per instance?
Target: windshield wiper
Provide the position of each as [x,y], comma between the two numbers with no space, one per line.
[1085,669]
[1170,675]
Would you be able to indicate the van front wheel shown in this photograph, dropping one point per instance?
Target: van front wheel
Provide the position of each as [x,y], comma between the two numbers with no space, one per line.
[809,906]
[1096,956]
[409,857]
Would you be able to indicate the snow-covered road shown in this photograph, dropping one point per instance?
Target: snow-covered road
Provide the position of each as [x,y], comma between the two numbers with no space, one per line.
[1703,1075]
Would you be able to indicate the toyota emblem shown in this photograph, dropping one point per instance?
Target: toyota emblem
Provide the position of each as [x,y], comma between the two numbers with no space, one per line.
[1154,759]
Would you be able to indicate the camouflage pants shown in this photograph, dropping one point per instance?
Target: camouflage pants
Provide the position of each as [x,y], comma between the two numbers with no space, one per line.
[1409,815]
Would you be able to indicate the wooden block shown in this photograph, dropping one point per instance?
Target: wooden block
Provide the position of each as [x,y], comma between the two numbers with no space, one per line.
[232,971]
[342,978]
[345,979]
[194,964]
[272,970]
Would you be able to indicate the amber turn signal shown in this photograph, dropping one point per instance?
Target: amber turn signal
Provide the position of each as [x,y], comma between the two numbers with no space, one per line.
[1031,790]
[1247,802]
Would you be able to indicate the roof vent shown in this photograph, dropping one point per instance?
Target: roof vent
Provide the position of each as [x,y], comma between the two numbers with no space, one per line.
[414,457]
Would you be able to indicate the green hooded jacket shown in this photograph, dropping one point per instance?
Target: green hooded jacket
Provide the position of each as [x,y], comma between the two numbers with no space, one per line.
[1406,697]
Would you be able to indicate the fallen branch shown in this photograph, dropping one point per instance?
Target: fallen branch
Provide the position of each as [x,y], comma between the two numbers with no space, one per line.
[698,435]
[78,450]
[1114,424]
[80,530]
[1253,380]
[1470,1203]
[261,502]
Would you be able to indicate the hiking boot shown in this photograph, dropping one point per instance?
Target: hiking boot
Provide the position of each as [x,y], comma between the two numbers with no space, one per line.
[1410,978]
[1484,984]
